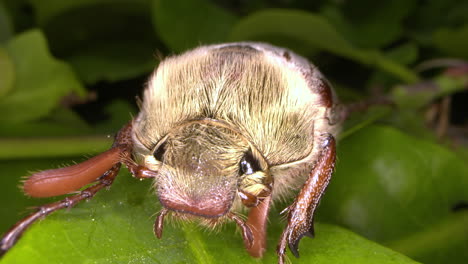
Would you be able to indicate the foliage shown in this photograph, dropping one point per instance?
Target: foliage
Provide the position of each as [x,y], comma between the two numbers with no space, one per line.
[69,71]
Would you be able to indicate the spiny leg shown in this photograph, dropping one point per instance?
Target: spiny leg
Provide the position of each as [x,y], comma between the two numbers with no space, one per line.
[12,235]
[247,235]
[301,211]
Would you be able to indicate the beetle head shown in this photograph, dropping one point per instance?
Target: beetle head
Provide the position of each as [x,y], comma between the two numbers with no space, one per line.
[204,166]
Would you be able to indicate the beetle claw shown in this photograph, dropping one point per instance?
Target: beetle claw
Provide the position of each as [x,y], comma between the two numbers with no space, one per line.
[293,246]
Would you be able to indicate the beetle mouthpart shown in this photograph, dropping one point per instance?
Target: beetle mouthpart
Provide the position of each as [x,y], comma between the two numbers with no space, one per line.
[246,231]
[212,206]
[159,223]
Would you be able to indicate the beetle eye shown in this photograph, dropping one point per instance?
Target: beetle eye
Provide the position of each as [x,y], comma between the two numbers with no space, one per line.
[159,152]
[249,164]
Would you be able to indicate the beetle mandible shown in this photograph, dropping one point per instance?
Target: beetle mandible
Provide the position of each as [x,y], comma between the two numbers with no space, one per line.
[221,127]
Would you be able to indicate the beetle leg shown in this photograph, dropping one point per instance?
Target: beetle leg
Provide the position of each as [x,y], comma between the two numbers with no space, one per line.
[124,140]
[159,223]
[301,211]
[45,184]
[51,182]
[257,221]
[247,235]
[12,235]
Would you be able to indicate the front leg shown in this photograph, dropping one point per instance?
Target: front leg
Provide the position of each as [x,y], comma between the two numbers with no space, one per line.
[301,211]
[101,169]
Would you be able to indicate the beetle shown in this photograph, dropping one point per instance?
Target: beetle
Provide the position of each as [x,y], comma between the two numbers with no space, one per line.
[221,127]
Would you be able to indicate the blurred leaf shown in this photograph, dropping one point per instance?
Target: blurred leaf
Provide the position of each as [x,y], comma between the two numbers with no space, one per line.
[181,26]
[13,148]
[7,73]
[60,122]
[45,12]
[370,29]
[405,54]
[6,28]
[19,14]
[362,119]
[120,112]
[428,16]
[53,8]
[116,227]
[449,236]
[110,41]
[101,63]
[412,100]
[41,80]
[317,32]
[62,134]
[418,95]
[389,186]
[453,42]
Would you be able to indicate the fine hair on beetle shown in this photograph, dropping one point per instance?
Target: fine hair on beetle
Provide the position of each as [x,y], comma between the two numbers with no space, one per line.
[224,131]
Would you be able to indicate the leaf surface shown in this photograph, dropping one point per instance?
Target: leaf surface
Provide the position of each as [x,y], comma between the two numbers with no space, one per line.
[41,81]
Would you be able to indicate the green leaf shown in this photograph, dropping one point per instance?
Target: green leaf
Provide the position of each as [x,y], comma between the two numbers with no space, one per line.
[41,80]
[359,120]
[60,122]
[13,148]
[405,54]
[418,95]
[373,29]
[314,30]
[120,113]
[6,27]
[452,42]
[7,73]
[427,17]
[116,227]
[389,186]
[62,134]
[103,45]
[182,27]
[448,241]
[54,8]
[412,100]
[112,62]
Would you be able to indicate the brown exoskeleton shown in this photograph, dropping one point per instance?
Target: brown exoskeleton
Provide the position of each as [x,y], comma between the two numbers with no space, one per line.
[220,127]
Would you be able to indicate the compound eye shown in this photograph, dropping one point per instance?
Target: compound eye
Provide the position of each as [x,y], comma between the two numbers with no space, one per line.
[249,164]
[159,152]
